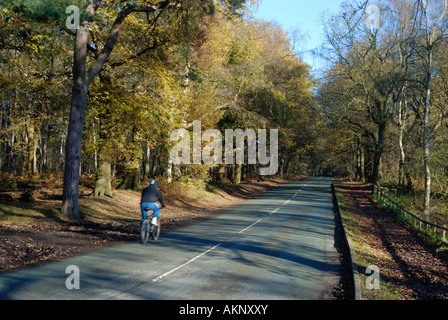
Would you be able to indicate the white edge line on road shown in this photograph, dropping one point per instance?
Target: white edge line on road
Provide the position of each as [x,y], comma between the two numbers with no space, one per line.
[185,264]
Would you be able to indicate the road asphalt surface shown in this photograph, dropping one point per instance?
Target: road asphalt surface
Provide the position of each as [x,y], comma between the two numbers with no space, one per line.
[280,246]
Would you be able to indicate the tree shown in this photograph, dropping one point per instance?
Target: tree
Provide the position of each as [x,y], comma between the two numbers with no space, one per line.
[82,80]
[433,28]
[365,55]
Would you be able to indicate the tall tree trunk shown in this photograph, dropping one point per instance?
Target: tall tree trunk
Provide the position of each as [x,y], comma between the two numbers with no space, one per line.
[237,174]
[70,198]
[357,160]
[169,171]
[403,171]
[103,185]
[378,154]
[362,163]
[32,147]
[221,173]
[433,38]
[146,160]
[426,206]
[43,148]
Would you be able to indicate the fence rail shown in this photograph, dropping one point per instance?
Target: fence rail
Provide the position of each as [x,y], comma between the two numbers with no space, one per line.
[437,231]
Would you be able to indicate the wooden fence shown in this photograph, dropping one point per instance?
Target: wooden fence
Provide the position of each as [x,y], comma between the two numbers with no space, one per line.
[437,231]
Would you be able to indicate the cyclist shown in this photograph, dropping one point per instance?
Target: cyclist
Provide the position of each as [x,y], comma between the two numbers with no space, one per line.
[150,196]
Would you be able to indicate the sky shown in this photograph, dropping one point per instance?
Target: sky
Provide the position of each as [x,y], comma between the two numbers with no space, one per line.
[304,15]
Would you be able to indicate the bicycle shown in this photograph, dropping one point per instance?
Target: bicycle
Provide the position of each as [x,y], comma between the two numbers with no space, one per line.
[147,228]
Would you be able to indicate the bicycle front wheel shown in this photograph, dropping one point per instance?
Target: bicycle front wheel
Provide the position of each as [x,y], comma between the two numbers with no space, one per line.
[145,231]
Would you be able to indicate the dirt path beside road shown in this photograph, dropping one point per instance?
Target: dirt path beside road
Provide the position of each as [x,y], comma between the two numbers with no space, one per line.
[407,261]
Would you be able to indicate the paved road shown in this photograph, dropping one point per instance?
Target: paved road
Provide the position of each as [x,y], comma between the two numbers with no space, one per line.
[278,246]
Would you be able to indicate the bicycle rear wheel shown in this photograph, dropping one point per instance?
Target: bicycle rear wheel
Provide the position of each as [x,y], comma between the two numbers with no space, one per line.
[155,231]
[145,231]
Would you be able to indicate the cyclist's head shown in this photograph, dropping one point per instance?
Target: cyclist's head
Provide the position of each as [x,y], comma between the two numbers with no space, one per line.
[153,183]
